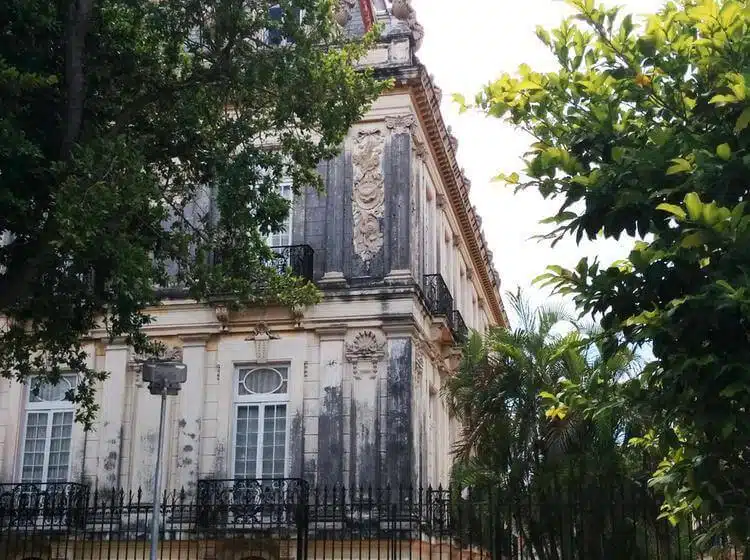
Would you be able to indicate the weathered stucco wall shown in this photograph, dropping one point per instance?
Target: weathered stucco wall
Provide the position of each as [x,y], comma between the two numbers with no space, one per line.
[365,365]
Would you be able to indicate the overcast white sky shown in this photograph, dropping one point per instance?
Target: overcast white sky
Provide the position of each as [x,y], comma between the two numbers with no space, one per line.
[468,43]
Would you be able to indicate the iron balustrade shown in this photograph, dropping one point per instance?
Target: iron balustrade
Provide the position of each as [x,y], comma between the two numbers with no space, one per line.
[438,296]
[249,502]
[56,505]
[460,330]
[298,259]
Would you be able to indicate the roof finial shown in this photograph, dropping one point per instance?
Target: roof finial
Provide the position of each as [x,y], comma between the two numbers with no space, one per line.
[403,10]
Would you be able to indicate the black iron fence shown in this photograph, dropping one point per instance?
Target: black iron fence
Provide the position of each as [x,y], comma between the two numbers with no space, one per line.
[275,519]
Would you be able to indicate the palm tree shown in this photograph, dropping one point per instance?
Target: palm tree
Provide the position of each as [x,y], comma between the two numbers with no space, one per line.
[557,482]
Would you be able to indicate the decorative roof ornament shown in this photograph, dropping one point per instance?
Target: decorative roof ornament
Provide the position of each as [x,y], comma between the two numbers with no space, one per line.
[343,11]
[403,11]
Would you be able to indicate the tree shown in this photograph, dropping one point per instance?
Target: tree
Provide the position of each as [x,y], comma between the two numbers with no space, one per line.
[138,137]
[643,131]
[566,480]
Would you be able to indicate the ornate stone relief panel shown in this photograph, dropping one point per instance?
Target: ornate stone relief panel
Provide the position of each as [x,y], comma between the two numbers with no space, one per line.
[261,335]
[365,350]
[368,196]
[418,365]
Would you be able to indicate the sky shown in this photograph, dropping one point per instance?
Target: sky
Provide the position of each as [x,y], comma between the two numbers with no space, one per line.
[467,44]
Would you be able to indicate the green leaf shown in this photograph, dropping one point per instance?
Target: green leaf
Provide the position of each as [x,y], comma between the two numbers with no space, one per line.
[724,284]
[673,209]
[511,179]
[460,99]
[681,165]
[693,240]
[694,205]
[733,388]
[723,99]
[724,151]
[742,121]
[528,85]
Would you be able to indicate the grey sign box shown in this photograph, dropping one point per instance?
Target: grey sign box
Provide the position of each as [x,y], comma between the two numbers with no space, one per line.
[164,375]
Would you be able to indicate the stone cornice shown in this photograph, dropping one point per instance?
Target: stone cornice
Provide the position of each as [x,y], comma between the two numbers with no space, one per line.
[443,150]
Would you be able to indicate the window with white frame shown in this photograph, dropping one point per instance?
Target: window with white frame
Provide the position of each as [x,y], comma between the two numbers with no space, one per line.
[283,237]
[260,428]
[48,429]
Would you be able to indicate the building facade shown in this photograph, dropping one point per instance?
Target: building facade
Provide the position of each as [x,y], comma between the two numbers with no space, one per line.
[346,392]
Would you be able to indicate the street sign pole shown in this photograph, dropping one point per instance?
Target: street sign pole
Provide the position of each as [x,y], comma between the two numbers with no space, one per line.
[157,474]
[165,377]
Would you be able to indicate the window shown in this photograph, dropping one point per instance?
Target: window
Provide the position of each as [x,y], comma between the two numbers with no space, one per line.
[275,35]
[45,456]
[283,237]
[260,435]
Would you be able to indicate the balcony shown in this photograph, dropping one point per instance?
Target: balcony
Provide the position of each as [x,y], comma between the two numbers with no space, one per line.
[250,503]
[458,327]
[296,258]
[55,506]
[438,296]
[440,304]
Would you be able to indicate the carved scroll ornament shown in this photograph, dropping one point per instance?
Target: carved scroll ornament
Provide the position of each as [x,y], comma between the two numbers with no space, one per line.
[368,196]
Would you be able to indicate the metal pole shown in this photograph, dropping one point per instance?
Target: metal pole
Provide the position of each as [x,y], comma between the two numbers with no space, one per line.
[155,510]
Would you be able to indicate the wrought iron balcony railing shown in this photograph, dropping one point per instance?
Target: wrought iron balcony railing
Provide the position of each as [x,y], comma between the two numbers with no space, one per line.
[458,327]
[438,296]
[252,503]
[57,505]
[298,258]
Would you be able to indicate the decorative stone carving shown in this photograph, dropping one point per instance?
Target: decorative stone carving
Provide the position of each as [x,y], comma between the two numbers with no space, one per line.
[343,11]
[419,148]
[222,315]
[365,350]
[366,346]
[401,124]
[440,200]
[368,196]
[453,140]
[418,365]
[403,10]
[262,335]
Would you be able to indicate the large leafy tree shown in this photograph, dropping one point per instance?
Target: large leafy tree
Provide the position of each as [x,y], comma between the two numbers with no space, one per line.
[643,130]
[565,485]
[138,137]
